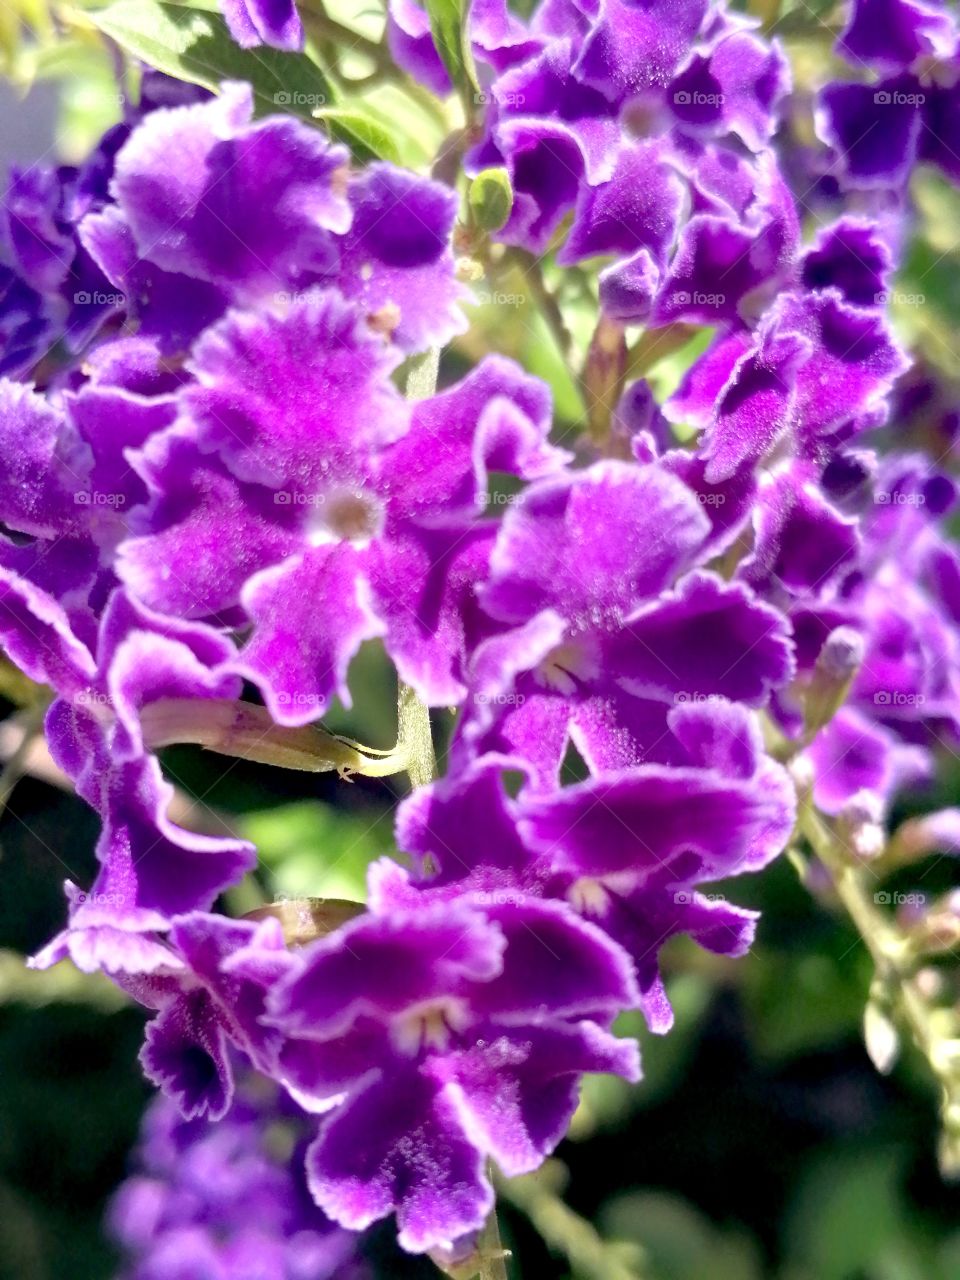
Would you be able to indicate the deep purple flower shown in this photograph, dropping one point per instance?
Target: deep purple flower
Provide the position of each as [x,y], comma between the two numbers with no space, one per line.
[150,869]
[626,849]
[219,1199]
[601,622]
[326,526]
[817,370]
[271,22]
[892,34]
[438,1035]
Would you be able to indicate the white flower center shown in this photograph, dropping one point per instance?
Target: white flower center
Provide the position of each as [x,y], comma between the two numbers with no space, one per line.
[430,1025]
[565,665]
[347,515]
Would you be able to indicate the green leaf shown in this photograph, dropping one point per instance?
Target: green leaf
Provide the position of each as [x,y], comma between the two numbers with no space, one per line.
[194,45]
[310,849]
[448,25]
[365,136]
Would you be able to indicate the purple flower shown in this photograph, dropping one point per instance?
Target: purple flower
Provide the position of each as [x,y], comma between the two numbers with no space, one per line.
[897,592]
[150,869]
[271,22]
[261,211]
[331,543]
[850,256]
[633,47]
[881,131]
[51,287]
[250,211]
[601,621]
[626,849]
[438,1035]
[206,1009]
[397,255]
[218,1200]
[411,45]
[231,490]
[817,368]
[894,34]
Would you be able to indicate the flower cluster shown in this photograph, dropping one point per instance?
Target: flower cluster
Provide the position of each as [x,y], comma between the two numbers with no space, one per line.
[214,485]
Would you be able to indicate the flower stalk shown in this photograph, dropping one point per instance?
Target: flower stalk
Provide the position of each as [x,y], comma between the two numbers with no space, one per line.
[247,732]
[898,993]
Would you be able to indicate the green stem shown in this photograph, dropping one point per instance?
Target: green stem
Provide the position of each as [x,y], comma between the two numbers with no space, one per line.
[492,1255]
[549,308]
[415,737]
[896,962]
[305,919]
[604,375]
[655,345]
[538,1196]
[18,688]
[320,23]
[883,942]
[17,762]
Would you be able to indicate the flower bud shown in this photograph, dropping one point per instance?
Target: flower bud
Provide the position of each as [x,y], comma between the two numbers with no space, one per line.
[490,199]
[837,664]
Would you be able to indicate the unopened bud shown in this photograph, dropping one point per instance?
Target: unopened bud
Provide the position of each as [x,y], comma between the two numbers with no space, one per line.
[842,653]
[861,825]
[490,199]
[937,832]
[880,1037]
[837,664]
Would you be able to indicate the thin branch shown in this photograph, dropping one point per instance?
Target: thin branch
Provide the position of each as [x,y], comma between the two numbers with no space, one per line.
[544,298]
[896,987]
[319,22]
[538,1196]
